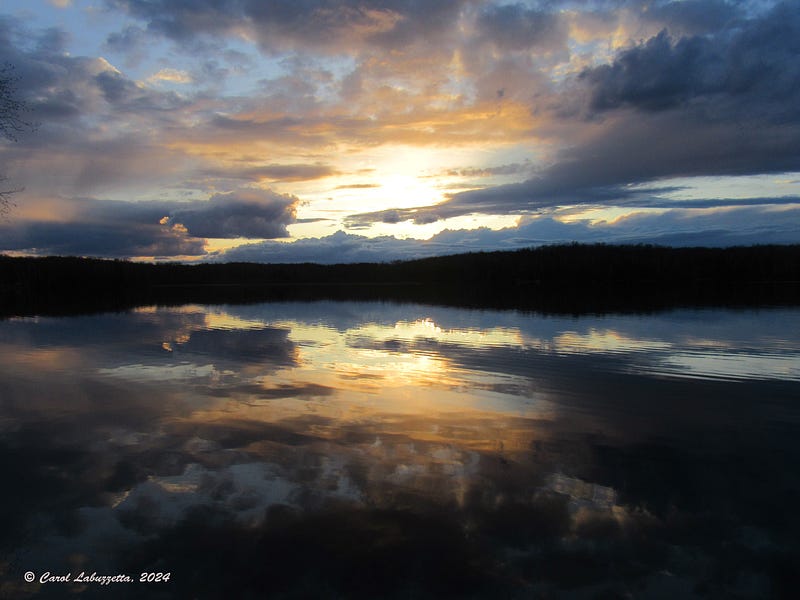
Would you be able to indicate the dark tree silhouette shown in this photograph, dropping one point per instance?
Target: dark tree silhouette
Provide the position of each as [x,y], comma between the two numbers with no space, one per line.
[565,279]
[11,124]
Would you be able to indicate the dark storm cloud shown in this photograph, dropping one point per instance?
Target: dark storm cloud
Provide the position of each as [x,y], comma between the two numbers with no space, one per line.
[117,240]
[244,213]
[752,69]
[159,228]
[241,213]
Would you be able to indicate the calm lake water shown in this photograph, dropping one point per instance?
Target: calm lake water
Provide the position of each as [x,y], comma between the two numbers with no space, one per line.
[336,450]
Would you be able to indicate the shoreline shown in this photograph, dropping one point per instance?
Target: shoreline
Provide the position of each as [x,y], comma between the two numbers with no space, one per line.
[571,279]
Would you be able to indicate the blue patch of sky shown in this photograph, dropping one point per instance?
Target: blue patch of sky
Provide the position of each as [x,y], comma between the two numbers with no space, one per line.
[87,25]
[774,185]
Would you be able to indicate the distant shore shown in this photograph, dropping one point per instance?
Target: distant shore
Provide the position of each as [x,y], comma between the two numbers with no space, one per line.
[572,278]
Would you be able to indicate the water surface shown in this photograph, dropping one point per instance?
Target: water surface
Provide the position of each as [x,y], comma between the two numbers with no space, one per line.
[334,449]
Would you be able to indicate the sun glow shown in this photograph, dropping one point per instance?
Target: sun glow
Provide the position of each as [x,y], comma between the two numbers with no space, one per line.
[409,191]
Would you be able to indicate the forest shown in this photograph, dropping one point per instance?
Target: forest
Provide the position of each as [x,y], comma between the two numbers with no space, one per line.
[574,278]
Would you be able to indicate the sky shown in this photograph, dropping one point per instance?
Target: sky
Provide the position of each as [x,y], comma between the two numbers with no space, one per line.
[375,130]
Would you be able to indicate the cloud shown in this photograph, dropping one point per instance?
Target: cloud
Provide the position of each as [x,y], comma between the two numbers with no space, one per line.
[113,240]
[132,42]
[91,227]
[508,169]
[126,40]
[275,172]
[170,76]
[282,24]
[534,196]
[249,213]
[678,227]
[358,186]
[55,83]
[164,229]
[694,17]
[595,104]
[753,64]
[127,95]
[85,104]
[339,247]
[517,27]
[97,128]
[726,103]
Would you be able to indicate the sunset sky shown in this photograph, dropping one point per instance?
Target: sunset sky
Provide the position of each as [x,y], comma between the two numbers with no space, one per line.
[344,130]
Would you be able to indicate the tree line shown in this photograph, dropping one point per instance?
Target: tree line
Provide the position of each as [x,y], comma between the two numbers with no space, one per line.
[559,278]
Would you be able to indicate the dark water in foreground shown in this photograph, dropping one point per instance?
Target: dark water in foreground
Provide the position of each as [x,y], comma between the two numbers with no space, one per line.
[336,450]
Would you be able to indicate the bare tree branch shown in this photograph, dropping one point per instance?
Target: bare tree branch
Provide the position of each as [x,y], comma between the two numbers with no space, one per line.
[6,204]
[11,107]
[11,124]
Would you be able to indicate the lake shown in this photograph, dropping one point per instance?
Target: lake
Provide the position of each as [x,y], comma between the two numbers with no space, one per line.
[381,450]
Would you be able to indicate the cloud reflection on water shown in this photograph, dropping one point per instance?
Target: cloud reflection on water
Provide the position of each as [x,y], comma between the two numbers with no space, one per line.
[527,447]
